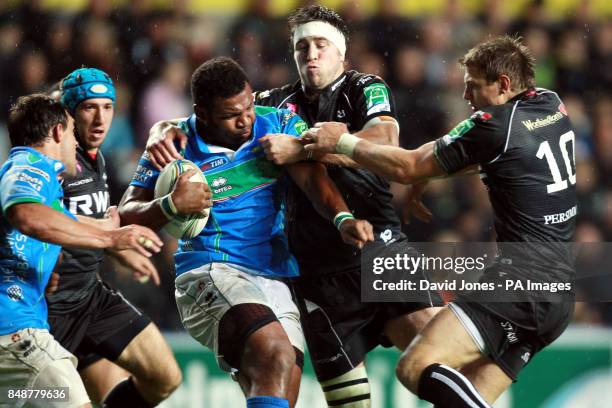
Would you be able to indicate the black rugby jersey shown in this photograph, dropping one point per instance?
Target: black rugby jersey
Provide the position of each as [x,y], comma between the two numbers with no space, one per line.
[525,149]
[85,194]
[354,98]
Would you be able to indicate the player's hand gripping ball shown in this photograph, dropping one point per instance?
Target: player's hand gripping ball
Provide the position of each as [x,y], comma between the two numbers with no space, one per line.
[181,226]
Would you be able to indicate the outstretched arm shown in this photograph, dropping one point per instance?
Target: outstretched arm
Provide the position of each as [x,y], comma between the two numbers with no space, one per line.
[397,164]
[393,163]
[285,149]
[46,224]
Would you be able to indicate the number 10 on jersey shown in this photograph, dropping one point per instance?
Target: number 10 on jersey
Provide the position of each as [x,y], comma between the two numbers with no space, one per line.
[545,151]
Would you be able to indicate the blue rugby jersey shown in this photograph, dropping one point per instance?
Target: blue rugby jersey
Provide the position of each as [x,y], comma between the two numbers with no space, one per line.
[26,263]
[246,223]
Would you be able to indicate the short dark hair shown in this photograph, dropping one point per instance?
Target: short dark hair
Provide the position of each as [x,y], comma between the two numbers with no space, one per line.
[317,13]
[32,117]
[503,55]
[220,77]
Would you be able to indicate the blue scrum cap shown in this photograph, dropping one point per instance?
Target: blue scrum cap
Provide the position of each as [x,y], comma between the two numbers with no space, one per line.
[86,83]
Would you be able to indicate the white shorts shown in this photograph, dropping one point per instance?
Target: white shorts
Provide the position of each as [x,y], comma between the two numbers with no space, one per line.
[32,358]
[205,294]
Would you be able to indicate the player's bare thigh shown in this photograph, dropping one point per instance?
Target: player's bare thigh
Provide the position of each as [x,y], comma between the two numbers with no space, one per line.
[402,330]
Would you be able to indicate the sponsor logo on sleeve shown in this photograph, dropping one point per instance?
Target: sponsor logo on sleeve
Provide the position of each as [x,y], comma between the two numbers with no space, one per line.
[34,170]
[300,127]
[143,173]
[377,98]
[461,129]
[33,182]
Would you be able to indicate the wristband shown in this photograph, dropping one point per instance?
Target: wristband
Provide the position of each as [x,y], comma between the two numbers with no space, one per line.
[346,144]
[167,206]
[341,217]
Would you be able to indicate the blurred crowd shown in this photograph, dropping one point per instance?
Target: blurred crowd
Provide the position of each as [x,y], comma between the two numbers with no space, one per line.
[151,52]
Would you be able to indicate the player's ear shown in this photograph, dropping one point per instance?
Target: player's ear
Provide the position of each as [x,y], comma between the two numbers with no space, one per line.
[505,84]
[201,113]
[57,132]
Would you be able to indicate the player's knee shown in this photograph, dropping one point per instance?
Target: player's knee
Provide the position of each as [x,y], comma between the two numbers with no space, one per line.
[274,358]
[162,382]
[410,367]
[170,381]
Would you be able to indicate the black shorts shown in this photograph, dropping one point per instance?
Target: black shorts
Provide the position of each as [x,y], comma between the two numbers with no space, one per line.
[513,332]
[101,327]
[339,328]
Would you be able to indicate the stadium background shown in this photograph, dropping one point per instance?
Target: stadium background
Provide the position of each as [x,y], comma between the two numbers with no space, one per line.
[150,47]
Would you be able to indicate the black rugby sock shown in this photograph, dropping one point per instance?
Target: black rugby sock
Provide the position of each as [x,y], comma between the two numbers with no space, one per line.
[448,388]
[125,394]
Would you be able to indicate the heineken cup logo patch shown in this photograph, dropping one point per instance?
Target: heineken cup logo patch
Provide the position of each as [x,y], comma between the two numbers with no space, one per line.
[462,128]
[300,127]
[377,98]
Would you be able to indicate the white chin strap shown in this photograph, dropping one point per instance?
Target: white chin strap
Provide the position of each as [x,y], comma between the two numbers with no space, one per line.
[323,30]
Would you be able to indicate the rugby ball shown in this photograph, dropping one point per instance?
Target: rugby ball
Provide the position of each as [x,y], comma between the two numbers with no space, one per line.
[181,226]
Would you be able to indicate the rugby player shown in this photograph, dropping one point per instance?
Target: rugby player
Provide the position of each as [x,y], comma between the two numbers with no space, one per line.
[229,286]
[339,329]
[522,139]
[123,358]
[33,225]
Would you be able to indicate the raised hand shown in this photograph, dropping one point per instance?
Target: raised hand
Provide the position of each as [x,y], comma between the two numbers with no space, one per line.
[160,145]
